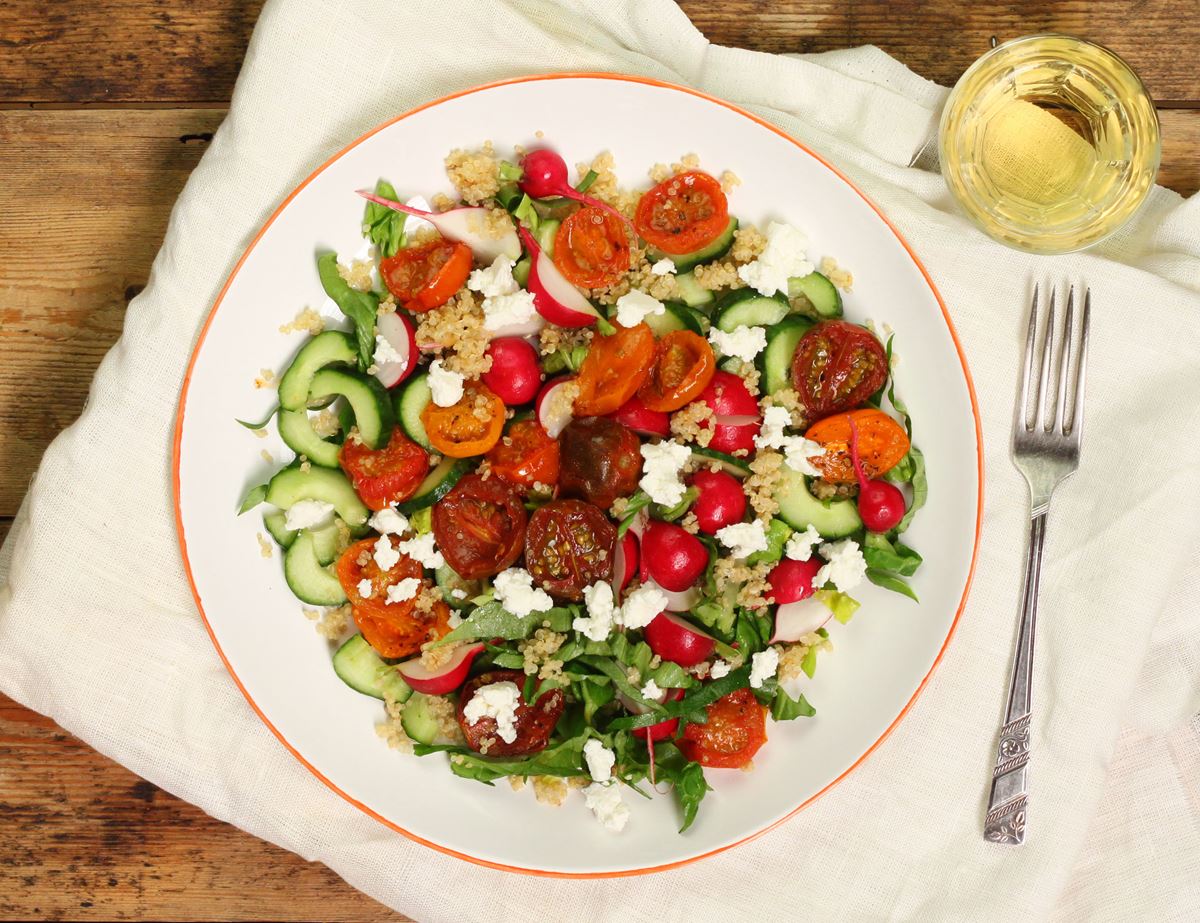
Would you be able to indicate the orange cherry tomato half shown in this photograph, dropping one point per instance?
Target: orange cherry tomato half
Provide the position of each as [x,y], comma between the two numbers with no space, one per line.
[470,427]
[683,213]
[591,249]
[882,442]
[426,277]
[388,475]
[613,370]
[393,629]
[736,728]
[683,366]
[526,455]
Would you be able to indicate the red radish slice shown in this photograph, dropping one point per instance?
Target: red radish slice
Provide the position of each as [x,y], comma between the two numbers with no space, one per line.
[675,639]
[625,563]
[446,678]
[397,330]
[553,411]
[555,298]
[465,224]
[735,420]
[795,620]
[677,601]
[642,420]
[524,328]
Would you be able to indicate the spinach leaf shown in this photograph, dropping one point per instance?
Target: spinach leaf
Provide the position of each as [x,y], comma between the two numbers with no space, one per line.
[690,788]
[778,532]
[360,307]
[492,620]
[613,671]
[384,226]
[561,759]
[920,487]
[891,582]
[883,555]
[594,695]
[785,708]
[256,496]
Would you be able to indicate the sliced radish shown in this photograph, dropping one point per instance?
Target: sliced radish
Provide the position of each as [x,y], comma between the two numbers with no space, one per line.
[397,330]
[795,620]
[677,601]
[675,639]
[555,298]
[523,328]
[658,731]
[625,563]
[791,581]
[642,420]
[465,224]
[552,409]
[446,678]
[736,420]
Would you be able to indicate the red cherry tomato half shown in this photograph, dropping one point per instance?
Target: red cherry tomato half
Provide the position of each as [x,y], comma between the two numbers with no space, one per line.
[683,213]
[388,475]
[736,728]
[837,365]
[426,277]
[591,248]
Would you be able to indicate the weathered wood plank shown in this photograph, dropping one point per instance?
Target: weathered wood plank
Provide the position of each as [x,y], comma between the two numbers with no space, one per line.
[166,51]
[83,839]
[5,525]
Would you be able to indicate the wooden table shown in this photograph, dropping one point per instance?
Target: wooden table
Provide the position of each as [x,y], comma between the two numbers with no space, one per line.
[104,110]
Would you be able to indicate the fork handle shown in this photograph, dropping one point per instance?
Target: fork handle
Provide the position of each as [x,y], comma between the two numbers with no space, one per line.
[1005,820]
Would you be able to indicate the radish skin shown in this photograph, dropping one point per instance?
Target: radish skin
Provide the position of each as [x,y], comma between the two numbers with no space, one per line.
[795,620]
[446,678]
[397,330]
[556,299]
[464,225]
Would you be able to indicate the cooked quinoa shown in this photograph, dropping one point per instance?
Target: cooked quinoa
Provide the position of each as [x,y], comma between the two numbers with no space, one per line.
[358,274]
[457,326]
[475,174]
[307,321]
[765,470]
[693,423]
[841,278]
[265,548]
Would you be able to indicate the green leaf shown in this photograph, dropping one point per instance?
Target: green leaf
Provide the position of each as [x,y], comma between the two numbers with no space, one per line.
[635,504]
[785,708]
[891,582]
[671,513]
[778,532]
[527,215]
[716,616]
[902,471]
[422,520]
[840,604]
[920,488]
[384,226]
[586,183]
[492,620]
[690,788]
[751,633]
[360,307]
[809,663]
[256,496]
[561,759]
[509,660]
[883,555]
[595,695]
[670,675]
[616,673]
[257,426]
[692,705]
[510,172]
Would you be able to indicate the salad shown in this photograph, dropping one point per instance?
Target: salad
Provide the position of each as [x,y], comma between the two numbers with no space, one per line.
[581,474]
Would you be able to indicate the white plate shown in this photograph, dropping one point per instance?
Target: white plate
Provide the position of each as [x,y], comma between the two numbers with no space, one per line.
[882,657]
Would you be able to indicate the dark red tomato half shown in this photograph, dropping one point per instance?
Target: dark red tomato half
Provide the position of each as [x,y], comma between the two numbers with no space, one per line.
[480,526]
[569,545]
[599,460]
[837,365]
[534,723]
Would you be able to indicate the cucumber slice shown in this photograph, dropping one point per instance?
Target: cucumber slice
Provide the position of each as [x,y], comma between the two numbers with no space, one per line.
[311,581]
[275,523]
[295,429]
[738,467]
[716,249]
[328,348]
[521,271]
[449,581]
[325,542]
[420,720]
[545,235]
[800,509]
[368,399]
[359,667]
[436,485]
[820,293]
[676,317]
[747,308]
[702,320]
[415,397]
[292,485]
[691,292]
[775,362]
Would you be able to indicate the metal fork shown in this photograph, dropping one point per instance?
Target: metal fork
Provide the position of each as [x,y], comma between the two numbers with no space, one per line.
[1045,448]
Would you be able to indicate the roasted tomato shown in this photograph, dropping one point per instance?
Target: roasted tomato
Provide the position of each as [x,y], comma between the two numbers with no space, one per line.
[569,545]
[526,455]
[470,427]
[683,213]
[683,366]
[837,366]
[601,460]
[615,367]
[736,728]
[388,475]
[426,277]
[882,442]
[480,526]
[393,629]
[591,249]
[534,723]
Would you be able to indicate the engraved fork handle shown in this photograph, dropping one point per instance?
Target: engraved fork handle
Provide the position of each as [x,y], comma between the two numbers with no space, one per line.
[1005,821]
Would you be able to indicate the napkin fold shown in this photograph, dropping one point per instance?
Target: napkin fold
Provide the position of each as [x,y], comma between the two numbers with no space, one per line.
[98,628]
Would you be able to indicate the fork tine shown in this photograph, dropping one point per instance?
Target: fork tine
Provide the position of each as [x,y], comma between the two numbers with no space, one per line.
[1076,429]
[1043,397]
[1022,408]
[1064,365]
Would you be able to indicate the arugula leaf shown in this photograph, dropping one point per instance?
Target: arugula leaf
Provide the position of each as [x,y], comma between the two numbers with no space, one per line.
[778,533]
[842,605]
[692,705]
[509,660]
[384,226]
[256,496]
[561,759]
[595,695]
[920,487]
[902,471]
[613,671]
[785,708]
[671,513]
[251,425]
[752,632]
[716,616]
[635,505]
[691,787]
[670,675]
[492,620]
[883,555]
[360,307]
[891,582]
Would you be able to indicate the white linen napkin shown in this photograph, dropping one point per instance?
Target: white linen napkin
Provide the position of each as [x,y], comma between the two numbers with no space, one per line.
[98,628]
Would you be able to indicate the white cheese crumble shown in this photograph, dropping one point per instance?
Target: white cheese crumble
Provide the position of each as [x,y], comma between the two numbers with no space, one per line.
[498,701]
[446,386]
[635,307]
[763,666]
[365,588]
[797,449]
[389,522]
[606,803]
[660,471]
[845,568]
[385,352]
[664,267]
[515,592]
[496,279]
[598,624]
[651,690]
[403,591]
[453,620]
[600,760]
[800,546]
[306,514]
[783,259]
[386,556]
[743,538]
[719,669]
[456,593]
[499,311]
[642,606]
[742,343]
[423,550]
[797,452]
